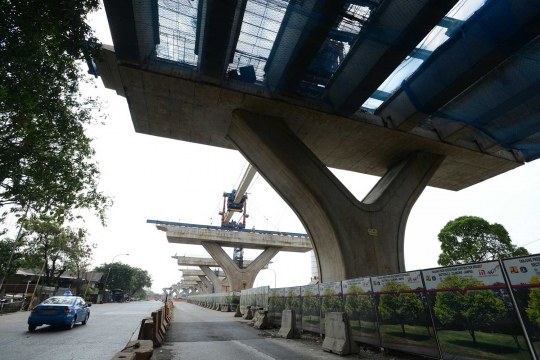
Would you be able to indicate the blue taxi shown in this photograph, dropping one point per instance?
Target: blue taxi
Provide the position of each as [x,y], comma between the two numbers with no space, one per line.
[59,310]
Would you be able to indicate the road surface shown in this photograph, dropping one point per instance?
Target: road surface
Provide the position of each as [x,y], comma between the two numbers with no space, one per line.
[109,329]
[197,333]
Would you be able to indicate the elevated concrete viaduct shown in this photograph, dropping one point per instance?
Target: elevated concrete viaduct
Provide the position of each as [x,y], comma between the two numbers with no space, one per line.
[240,279]
[467,114]
[193,272]
[213,240]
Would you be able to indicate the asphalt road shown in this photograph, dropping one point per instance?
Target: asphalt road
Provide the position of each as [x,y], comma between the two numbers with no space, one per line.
[109,329]
[198,333]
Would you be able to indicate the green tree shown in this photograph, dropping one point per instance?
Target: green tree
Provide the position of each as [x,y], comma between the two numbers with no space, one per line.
[470,239]
[45,156]
[57,248]
[533,307]
[292,302]
[6,246]
[507,322]
[400,308]
[125,277]
[310,304]
[360,307]
[477,309]
[275,304]
[330,302]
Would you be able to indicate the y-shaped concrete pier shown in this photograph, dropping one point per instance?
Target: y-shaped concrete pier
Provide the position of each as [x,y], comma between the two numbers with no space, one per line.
[350,238]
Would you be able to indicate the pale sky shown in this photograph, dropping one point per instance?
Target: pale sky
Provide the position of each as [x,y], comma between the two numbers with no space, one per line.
[156,178]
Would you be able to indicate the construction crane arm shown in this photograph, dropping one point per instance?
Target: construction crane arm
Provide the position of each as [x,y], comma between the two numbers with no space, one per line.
[242,188]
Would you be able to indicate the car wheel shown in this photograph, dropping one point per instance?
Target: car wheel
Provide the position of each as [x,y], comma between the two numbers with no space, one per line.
[86,319]
[72,323]
[32,327]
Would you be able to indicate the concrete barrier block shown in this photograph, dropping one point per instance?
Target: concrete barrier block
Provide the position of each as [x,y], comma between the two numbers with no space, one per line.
[238,313]
[161,324]
[262,320]
[146,329]
[248,315]
[226,308]
[338,338]
[288,325]
[157,338]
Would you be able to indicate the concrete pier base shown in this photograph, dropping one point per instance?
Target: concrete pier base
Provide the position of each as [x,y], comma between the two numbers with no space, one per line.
[350,238]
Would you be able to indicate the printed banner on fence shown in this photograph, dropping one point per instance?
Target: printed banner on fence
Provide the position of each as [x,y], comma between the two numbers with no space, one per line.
[524,276]
[331,300]
[293,302]
[359,304]
[402,309]
[474,313]
[276,304]
[311,320]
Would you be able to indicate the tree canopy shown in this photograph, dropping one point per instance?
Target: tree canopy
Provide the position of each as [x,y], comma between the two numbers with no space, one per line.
[58,249]
[358,306]
[470,239]
[475,310]
[45,156]
[125,277]
[401,308]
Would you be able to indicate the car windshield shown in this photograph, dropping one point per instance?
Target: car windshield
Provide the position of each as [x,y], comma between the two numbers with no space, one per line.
[58,301]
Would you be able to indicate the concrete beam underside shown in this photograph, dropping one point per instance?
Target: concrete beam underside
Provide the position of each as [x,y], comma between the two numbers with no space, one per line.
[350,238]
[167,101]
[195,261]
[240,279]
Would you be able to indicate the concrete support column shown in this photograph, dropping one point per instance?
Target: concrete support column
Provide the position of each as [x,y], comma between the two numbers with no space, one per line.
[350,238]
[203,288]
[207,283]
[213,278]
[240,278]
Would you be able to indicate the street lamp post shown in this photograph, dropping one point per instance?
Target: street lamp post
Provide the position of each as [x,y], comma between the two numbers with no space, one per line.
[274,276]
[109,272]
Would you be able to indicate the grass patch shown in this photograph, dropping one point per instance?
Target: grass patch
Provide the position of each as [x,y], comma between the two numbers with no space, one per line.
[414,335]
[367,329]
[489,346]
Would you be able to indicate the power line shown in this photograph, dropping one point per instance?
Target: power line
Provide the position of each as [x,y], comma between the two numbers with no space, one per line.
[531,242]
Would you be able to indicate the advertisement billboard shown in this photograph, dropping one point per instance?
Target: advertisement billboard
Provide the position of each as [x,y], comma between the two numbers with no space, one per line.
[474,313]
[402,310]
[311,309]
[293,301]
[524,276]
[276,304]
[359,304]
[331,300]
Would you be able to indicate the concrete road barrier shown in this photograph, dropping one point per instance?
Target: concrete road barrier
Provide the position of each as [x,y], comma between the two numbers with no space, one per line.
[146,331]
[248,315]
[136,350]
[338,338]
[262,320]
[288,325]
[157,338]
[238,313]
